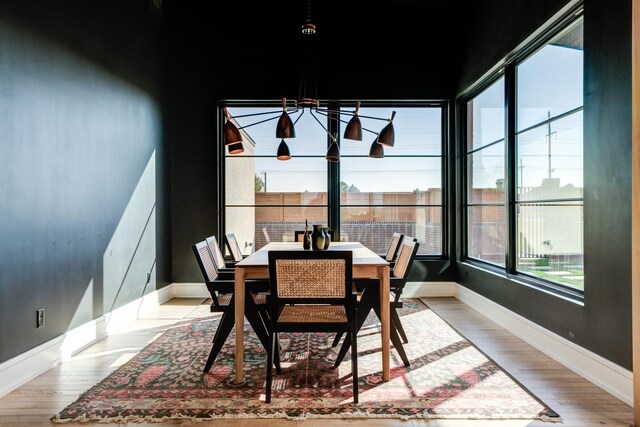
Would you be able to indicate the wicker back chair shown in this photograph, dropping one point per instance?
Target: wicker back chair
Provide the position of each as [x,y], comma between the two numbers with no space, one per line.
[370,299]
[392,251]
[311,292]
[233,247]
[223,302]
[216,253]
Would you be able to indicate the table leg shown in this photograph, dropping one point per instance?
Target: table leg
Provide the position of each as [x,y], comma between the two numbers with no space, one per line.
[239,322]
[383,275]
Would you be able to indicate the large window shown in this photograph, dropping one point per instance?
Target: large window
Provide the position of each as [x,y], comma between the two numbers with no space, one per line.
[525,210]
[486,201]
[549,160]
[267,200]
[400,193]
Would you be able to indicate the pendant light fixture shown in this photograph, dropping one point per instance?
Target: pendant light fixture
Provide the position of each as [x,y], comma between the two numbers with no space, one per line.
[377,150]
[333,153]
[354,127]
[388,135]
[283,151]
[307,100]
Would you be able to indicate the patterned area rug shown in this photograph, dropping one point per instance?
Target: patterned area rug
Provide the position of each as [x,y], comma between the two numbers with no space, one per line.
[448,378]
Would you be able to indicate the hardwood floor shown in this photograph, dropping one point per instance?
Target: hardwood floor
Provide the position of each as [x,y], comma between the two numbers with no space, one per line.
[579,402]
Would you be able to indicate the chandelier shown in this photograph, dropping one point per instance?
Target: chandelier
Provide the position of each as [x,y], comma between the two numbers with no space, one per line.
[307,102]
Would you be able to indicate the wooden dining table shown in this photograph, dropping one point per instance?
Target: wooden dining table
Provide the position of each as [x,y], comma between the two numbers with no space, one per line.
[366,264]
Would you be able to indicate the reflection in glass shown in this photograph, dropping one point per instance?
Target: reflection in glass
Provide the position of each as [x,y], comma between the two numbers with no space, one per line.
[418,131]
[373,226]
[550,242]
[486,174]
[487,232]
[252,225]
[485,116]
[550,82]
[550,160]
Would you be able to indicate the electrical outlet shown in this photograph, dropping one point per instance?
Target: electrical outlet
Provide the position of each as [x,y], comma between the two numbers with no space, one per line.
[40,318]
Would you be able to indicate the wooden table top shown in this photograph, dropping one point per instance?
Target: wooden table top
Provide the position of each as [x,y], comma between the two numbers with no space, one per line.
[361,254]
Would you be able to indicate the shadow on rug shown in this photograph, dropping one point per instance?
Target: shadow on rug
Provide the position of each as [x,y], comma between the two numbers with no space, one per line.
[448,378]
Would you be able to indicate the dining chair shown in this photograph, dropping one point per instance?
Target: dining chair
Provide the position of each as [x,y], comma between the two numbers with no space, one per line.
[369,299]
[233,247]
[311,292]
[224,272]
[390,257]
[394,244]
[222,294]
[299,233]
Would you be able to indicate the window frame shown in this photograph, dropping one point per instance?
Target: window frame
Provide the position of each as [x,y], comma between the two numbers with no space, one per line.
[508,69]
[333,169]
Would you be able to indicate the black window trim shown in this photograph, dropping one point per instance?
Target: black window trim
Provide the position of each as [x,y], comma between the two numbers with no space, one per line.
[333,205]
[508,71]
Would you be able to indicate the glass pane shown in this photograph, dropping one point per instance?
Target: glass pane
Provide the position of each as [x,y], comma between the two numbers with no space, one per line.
[550,242]
[487,230]
[261,139]
[389,175]
[550,160]
[255,181]
[418,130]
[486,174]
[485,116]
[256,224]
[374,226]
[550,82]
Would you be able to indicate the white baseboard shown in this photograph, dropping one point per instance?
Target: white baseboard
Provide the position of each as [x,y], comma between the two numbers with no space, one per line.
[190,290]
[429,289]
[612,378]
[26,366]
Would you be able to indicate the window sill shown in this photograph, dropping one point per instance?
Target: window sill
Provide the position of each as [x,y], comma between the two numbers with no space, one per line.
[574,296]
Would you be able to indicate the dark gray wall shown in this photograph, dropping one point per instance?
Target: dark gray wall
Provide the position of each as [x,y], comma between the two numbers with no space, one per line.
[84,210]
[366,50]
[603,324]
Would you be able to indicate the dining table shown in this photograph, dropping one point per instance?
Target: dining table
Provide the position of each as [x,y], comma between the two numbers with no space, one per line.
[366,264]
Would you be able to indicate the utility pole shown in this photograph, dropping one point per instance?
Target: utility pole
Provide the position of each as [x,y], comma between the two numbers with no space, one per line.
[549,135]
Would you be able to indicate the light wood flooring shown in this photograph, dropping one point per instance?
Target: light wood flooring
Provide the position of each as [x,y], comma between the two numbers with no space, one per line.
[579,402]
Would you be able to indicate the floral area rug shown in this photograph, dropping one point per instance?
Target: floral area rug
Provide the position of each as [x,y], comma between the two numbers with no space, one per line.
[448,378]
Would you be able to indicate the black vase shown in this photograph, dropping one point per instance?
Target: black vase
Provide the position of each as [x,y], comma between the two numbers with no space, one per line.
[317,238]
[327,237]
[306,240]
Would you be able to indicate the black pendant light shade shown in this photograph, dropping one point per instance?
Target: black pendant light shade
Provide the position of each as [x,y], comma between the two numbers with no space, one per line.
[354,128]
[230,131]
[333,153]
[377,150]
[387,134]
[285,127]
[235,148]
[283,151]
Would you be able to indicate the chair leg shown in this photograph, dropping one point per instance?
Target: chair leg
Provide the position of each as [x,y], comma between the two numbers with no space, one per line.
[354,363]
[396,320]
[257,322]
[364,308]
[336,340]
[270,353]
[395,340]
[223,331]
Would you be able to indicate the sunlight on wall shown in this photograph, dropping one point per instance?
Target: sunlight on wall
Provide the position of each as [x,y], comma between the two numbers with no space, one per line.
[131,252]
